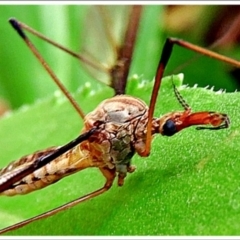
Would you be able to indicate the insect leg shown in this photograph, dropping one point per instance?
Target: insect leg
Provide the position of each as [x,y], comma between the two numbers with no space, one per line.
[18,28]
[109,174]
[57,45]
[166,53]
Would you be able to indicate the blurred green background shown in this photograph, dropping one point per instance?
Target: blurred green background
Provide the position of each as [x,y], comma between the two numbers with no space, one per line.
[23,80]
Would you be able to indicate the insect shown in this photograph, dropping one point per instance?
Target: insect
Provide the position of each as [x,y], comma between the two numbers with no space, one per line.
[117,129]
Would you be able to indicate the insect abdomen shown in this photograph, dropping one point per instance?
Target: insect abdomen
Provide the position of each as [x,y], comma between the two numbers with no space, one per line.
[68,163]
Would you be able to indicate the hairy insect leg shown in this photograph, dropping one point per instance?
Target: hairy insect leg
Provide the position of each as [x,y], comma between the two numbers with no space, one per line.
[109,174]
[165,56]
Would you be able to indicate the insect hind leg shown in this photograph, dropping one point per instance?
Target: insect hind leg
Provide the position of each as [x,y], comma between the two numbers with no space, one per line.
[109,174]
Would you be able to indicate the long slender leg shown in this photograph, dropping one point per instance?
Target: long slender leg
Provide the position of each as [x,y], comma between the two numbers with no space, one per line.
[108,174]
[166,53]
[120,70]
[72,53]
[18,28]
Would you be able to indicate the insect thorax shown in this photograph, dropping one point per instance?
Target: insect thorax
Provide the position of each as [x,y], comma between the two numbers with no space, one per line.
[122,134]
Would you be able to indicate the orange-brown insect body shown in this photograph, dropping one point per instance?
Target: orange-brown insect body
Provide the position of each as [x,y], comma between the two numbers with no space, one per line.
[112,146]
[121,134]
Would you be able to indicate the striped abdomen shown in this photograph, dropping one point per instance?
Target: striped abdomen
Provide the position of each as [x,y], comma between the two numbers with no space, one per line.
[68,163]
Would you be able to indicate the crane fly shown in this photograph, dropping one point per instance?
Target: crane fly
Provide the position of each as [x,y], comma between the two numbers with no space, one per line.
[118,128]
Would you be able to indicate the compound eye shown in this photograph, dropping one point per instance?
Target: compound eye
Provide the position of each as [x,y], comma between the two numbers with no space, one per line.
[169,128]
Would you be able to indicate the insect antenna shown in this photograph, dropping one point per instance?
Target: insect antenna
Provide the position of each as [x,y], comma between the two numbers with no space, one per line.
[179,97]
[18,28]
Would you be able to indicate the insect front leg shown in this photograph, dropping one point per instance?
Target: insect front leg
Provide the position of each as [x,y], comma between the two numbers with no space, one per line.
[109,174]
[165,56]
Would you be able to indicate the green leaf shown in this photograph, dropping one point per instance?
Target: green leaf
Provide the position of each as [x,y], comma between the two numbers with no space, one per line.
[189,185]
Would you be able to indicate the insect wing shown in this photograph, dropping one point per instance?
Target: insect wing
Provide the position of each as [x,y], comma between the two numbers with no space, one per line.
[102,40]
